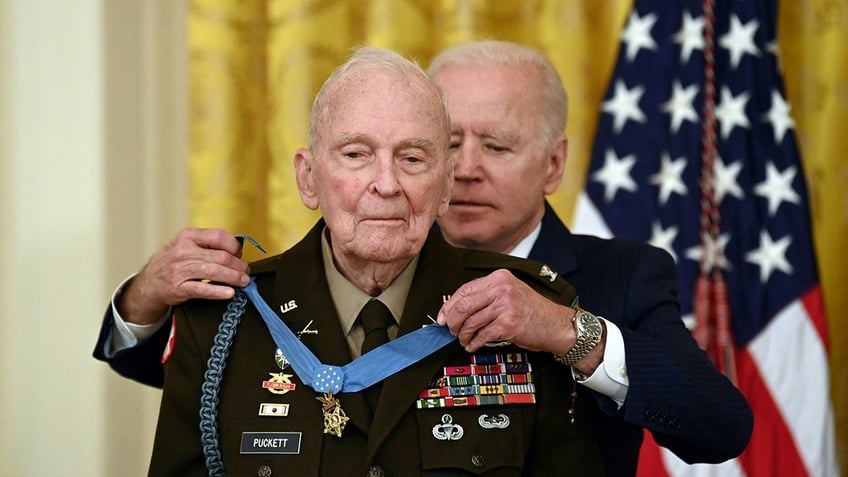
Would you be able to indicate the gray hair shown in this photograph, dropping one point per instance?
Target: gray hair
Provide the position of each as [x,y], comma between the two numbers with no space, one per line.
[503,53]
[373,59]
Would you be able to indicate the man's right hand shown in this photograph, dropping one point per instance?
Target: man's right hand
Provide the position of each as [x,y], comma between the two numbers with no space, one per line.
[197,263]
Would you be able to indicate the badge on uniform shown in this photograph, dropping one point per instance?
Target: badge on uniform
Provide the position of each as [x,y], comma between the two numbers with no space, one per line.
[287,307]
[280,383]
[281,360]
[547,272]
[501,421]
[447,430]
[273,409]
[335,418]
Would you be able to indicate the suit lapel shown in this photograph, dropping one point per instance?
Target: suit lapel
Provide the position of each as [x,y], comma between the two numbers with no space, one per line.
[555,245]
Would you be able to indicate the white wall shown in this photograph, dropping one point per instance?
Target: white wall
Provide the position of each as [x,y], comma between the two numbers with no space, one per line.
[92,181]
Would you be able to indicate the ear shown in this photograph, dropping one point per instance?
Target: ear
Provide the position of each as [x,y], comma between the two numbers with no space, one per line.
[556,164]
[305,180]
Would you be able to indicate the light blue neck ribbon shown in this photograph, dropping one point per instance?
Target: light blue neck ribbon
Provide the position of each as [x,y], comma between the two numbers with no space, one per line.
[370,368]
[359,374]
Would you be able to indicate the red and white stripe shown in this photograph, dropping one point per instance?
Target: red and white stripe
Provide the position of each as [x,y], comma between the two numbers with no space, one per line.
[783,373]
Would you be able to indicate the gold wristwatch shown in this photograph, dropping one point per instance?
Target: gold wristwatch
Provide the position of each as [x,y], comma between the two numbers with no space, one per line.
[589,334]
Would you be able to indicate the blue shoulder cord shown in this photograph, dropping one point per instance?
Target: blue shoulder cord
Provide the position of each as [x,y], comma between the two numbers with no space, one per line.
[211,389]
[394,356]
[212,380]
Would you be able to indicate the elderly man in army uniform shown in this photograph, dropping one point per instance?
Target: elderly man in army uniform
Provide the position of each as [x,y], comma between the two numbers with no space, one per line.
[297,380]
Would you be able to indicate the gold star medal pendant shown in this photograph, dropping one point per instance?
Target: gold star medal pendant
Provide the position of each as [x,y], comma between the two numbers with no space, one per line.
[327,380]
[335,418]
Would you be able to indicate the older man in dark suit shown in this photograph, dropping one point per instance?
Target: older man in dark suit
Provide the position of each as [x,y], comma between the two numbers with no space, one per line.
[508,113]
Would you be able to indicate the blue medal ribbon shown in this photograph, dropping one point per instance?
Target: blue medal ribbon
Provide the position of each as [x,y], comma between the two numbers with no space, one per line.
[370,368]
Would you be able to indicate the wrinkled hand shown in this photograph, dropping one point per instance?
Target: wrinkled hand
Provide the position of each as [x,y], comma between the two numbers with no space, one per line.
[196,263]
[502,307]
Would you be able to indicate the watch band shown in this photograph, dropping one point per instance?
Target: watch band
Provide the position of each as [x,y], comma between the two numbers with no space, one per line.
[589,334]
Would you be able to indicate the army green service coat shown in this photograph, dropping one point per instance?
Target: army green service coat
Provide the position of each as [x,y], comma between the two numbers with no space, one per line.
[401,440]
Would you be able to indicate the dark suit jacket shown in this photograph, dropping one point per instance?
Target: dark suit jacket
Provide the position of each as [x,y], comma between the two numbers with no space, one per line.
[539,441]
[675,392]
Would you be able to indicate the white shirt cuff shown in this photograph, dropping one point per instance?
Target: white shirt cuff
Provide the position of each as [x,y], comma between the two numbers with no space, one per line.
[610,378]
[127,335]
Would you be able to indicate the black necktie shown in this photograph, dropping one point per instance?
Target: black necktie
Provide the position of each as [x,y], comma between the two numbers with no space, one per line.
[375,319]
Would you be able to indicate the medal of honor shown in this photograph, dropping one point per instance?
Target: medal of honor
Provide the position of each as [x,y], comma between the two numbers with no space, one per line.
[335,418]
[355,376]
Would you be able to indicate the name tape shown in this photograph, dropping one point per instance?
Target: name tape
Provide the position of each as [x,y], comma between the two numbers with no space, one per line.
[270,442]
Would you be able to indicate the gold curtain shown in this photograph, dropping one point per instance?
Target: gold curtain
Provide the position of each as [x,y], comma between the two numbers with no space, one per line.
[814,53]
[255,66]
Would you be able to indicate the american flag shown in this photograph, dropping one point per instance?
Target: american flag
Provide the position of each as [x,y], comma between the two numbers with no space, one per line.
[696,153]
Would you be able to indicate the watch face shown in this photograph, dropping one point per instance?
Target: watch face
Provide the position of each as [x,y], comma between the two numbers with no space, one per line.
[591,325]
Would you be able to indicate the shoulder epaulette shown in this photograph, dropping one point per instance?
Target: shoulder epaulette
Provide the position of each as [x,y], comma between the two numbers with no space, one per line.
[530,271]
[266,265]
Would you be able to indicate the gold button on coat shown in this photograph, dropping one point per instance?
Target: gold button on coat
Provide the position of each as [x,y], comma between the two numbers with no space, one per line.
[375,471]
[264,471]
